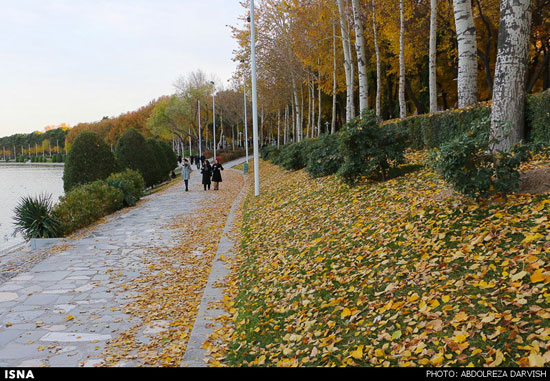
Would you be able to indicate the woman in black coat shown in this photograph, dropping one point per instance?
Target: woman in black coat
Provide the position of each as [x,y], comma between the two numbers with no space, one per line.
[216,174]
[206,174]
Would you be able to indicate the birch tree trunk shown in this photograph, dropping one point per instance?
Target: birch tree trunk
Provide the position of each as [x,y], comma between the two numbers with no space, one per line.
[296,112]
[378,65]
[348,67]
[402,104]
[301,123]
[511,73]
[467,53]
[334,84]
[361,57]
[278,128]
[432,57]
[319,112]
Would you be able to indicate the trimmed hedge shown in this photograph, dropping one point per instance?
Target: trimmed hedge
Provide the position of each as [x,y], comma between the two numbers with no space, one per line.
[432,130]
[537,112]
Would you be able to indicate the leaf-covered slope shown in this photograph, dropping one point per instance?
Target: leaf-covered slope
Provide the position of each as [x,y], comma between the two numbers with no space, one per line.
[398,273]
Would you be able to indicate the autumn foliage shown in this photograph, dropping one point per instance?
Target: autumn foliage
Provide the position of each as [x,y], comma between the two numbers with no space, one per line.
[397,273]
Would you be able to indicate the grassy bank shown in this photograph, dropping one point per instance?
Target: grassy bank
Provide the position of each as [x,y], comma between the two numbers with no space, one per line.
[398,273]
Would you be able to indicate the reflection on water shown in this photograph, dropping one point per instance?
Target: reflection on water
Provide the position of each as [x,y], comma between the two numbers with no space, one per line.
[19,180]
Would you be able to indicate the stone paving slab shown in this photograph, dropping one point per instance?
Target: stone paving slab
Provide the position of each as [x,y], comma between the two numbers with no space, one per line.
[62,310]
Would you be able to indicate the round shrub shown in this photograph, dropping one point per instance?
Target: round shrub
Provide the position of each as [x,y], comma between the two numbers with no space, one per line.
[130,182]
[323,157]
[133,152]
[88,160]
[471,166]
[370,149]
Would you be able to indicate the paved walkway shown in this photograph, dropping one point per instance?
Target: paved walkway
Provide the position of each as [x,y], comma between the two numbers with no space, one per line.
[63,308]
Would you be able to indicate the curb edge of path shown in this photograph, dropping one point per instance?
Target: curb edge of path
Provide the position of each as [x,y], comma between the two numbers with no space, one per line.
[204,322]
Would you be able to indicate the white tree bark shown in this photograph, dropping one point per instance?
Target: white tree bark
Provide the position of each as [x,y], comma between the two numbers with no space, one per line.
[432,75]
[467,53]
[348,66]
[402,104]
[361,57]
[296,112]
[334,88]
[511,73]
[378,65]
[319,112]
[285,138]
[278,128]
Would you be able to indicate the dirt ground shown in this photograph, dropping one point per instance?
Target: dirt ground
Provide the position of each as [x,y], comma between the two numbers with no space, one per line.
[535,181]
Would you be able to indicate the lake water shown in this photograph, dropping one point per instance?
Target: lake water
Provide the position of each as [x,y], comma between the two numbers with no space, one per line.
[19,180]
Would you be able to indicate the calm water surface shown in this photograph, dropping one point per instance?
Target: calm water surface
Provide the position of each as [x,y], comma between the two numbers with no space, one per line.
[19,180]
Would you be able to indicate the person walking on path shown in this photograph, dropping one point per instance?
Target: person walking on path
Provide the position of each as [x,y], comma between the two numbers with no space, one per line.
[216,174]
[199,161]
[206,174]
[186,173]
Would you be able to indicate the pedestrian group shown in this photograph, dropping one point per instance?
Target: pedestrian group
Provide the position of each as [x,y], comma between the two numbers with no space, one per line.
[211,173]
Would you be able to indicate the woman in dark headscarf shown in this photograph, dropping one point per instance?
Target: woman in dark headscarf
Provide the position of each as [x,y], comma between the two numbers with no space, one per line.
[206,174]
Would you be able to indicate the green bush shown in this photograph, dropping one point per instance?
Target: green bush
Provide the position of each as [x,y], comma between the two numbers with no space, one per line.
[537,113]
[133,152]
[370,149]
[294,156]
[34,218]
[432,130]
[270,153]
[130,182]
[324,157]
[160,162]
[88,160]
[87,203]
[170,155]
[471,165]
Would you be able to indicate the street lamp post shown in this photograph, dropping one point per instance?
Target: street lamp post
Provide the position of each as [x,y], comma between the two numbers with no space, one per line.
[254,103]
[245,127]
[200,131]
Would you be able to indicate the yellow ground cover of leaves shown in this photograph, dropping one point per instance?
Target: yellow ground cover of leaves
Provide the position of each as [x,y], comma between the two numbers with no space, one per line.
[168,293]
[397,273]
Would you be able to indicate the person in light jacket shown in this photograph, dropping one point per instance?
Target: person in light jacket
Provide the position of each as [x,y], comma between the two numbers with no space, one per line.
[186,173]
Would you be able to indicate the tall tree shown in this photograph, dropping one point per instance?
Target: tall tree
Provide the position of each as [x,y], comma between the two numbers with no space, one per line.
[467,53]
[361,57]
[402,103]
[378,61]
[510,73]
[432,70]
[348,61]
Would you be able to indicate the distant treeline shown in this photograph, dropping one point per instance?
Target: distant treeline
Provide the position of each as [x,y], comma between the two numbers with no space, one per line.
[35,143]
[110,129]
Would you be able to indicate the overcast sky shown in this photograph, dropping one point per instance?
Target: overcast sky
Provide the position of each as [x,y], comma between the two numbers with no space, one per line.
[71,61]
